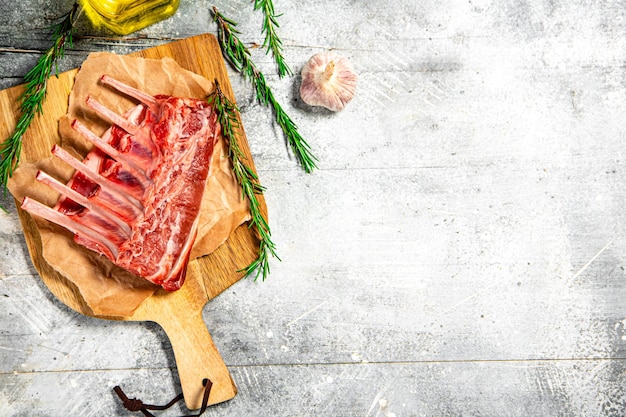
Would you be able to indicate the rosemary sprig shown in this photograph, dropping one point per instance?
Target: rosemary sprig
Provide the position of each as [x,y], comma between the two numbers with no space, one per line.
[272,42]
[239,56]
[247,179]
[31,100]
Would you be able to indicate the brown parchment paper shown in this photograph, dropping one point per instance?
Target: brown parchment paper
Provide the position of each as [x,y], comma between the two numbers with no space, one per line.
[106,288]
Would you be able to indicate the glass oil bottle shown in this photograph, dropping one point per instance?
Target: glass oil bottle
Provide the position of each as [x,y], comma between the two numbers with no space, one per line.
[126,16]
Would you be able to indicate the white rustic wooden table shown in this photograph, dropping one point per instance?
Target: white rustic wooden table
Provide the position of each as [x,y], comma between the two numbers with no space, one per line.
[460,251]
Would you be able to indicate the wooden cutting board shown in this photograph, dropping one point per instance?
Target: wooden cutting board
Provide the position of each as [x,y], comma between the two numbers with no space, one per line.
[180,312]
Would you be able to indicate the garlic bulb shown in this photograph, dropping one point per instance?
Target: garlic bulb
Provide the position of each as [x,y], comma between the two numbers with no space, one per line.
[328,80]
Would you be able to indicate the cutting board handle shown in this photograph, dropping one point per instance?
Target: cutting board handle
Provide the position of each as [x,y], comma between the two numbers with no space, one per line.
[197,358]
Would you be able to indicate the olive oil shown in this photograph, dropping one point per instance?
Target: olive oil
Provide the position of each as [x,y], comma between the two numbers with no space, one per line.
[127,16]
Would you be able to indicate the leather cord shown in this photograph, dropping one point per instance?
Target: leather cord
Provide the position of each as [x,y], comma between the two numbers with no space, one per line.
[134,404]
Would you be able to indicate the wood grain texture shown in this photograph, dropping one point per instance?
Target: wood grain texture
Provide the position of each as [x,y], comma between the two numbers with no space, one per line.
[179,313]
[460,251]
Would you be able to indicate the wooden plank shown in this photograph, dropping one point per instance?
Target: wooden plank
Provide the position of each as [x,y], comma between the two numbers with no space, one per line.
[538,388]
[460,251]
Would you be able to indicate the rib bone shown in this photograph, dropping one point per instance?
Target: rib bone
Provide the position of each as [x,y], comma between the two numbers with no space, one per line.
[127,202]
[41,210]
[138,172]
[83,201]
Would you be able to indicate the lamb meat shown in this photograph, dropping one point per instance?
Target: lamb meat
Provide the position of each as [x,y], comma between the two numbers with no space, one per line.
[135,198]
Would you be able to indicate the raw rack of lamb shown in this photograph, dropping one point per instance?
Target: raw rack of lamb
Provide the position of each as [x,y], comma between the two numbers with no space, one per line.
[135,198]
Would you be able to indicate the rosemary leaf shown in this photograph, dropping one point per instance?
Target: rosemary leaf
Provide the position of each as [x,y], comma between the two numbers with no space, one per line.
[239,56]
[248,180]
[31,100]
[272,42]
